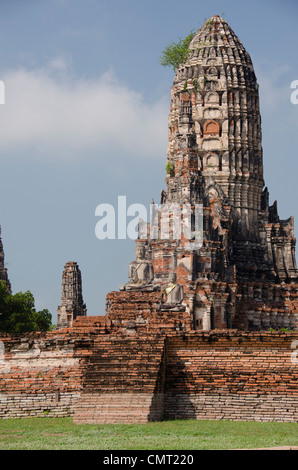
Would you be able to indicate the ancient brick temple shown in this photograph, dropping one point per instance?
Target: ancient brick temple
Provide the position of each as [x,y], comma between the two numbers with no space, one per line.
[190,335]
[3,269]
[244,276]
[72,304]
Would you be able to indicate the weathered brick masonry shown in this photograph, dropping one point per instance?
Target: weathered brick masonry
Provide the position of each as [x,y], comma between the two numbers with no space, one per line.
[189,335]
[99,373]
[231,375]
[41,375]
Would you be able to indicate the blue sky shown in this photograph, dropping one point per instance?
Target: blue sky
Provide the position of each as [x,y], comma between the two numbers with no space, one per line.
[85,121]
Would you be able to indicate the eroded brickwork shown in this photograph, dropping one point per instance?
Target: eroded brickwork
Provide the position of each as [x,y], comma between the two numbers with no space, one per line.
[124,380]
[101,373]
[188,335]
[243,275]
[40,375]
[232,375]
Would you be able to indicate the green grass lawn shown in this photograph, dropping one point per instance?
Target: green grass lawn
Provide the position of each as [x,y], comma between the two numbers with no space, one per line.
[62,434]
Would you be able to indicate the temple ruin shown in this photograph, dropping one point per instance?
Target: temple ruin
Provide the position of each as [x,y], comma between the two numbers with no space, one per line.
[72,304]
[3,269]
[206,327]
[244,273]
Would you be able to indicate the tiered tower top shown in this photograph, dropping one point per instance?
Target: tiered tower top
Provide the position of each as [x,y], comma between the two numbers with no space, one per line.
[215,141]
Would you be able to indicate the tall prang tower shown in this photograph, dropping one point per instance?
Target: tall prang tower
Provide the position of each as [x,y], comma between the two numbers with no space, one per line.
[72,304]
[3,269]
[243,275]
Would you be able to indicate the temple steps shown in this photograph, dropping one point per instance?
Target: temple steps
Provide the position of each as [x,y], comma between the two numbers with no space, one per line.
[123,381]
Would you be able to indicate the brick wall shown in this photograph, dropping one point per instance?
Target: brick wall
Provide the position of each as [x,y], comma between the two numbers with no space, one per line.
[98,374]
[123,380]
[41,375]
[143,312]
[232,375]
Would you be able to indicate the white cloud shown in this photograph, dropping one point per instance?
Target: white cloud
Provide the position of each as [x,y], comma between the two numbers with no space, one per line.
[51,114]
[274,85]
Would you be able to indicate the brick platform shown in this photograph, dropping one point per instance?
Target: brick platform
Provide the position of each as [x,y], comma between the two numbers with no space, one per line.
[101,377]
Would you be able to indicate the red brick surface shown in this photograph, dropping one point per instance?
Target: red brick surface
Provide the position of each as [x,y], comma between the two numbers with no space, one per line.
[100,372]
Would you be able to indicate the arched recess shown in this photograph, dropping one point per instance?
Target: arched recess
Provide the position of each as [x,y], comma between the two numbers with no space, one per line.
[212,98]
[211,160]
[212,52]
[211,128]
[212,72]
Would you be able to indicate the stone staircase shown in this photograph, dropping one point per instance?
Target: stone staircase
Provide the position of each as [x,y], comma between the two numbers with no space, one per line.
[123,381]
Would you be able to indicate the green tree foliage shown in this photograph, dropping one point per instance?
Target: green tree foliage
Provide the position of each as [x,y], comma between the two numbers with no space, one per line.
[177,53]
[170,169]
[18,314]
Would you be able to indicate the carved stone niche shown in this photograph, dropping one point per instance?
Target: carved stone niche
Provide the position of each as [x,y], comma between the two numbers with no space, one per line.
[211,160]
[212,72]
[211,128]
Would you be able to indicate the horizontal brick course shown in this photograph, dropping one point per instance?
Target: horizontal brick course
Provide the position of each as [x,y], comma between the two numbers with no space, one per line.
[128,377]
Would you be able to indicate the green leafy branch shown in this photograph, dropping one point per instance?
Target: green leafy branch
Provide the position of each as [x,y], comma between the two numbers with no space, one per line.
[177,53]
[170,169]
